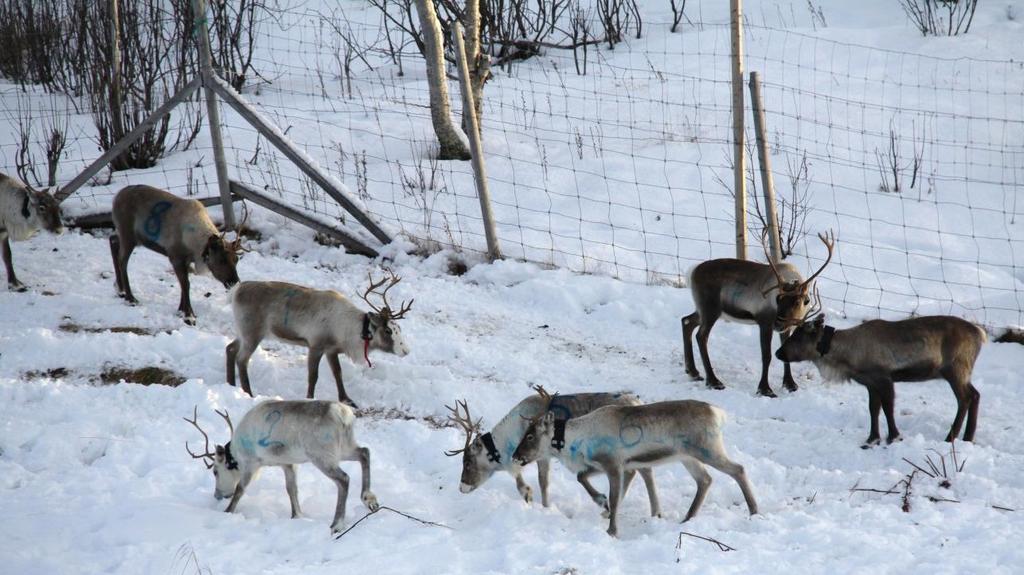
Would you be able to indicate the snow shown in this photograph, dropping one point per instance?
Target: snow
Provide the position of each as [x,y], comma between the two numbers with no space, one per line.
[94,477]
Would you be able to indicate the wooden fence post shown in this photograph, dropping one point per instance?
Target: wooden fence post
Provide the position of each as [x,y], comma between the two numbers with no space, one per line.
[213,112]
[475,146]
[739,164]
[767,183]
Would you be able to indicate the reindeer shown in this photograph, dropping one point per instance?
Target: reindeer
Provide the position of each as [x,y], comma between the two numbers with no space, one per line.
[774,296]
[616,439]
[878,353]
[323,321]
[284,434]
[175,227]
[23,212]
[483,454]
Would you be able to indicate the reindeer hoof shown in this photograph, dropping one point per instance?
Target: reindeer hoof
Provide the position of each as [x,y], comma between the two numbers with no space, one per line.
[766,392]
[338,526]
[870,443]
[18,287]
[527,493]
[694,375]
[370,501]
[790,386]
[347,402]
[190,319]
[893,439]
[715,384]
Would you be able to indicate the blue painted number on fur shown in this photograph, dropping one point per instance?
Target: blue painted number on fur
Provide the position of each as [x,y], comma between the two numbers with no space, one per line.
[272,418]
[155,222]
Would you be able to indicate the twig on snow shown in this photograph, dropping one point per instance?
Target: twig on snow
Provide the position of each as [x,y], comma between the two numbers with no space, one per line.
[721,546]
[384,507]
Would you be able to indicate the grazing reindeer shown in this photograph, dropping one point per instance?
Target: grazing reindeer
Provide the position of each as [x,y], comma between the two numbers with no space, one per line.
[23,212]
[774,296]
[618,438]
[323,321]
[483,454]
[175,227]
[284,434]
[878,353]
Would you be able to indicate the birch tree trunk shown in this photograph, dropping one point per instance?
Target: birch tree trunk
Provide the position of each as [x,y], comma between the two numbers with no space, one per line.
[453,147]
[479,64]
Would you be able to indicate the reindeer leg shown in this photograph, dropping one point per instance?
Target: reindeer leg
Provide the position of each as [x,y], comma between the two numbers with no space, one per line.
[313,364]
[652,493]
[596,496]
[340,478]
[707,322]
[292,488]
[180,265]
[874,406]
[12,280]
[543,474]
[231,352]
[703,478]
[972,412]
[335,364]
[125,247]
[524,490]
[615,483]
[763,388]
[245,351]
[720,461]
[239,491]
[888,396]
[367,496]
[690,323]
[787,374]
[963,402]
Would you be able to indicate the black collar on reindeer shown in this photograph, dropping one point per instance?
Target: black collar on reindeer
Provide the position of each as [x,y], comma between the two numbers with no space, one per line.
[825,343]
[25,213]
[229,459]
[492,451]
[558,439]
[367,336]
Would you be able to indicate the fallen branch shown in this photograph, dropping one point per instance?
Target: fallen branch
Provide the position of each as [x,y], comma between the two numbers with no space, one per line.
[1001,508]
[383,508]
[906,491]
[721,546]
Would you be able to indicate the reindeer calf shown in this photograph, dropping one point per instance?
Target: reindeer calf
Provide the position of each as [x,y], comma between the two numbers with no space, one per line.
[322,320]
[175,227]
[23,212]
[619,438]
[284,434]
[878,353]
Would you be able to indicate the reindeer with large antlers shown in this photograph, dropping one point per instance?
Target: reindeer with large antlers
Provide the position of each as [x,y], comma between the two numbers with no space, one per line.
[485,453]
[323,321]
[773,295]
[284,434]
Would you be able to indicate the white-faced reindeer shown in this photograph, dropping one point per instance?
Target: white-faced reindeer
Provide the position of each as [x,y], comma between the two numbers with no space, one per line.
[23,212]
[483,454]
[774,296]
[284,434]
[175,227]
[878,353]
[323,321]
[619,438]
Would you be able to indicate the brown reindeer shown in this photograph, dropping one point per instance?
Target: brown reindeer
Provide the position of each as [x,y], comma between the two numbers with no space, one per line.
[878,353]
[774,296]
[175,227]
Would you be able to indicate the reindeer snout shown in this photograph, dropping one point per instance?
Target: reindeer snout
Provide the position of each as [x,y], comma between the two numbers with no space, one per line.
[465,488]
[230,283]
[779,355]
[218,495]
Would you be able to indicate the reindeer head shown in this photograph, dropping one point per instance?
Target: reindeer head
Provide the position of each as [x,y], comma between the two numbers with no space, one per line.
[220,256]
[382,329]
[539,432]
[225,469]
[43,209]
[796,300]
[477,467]
[803,343]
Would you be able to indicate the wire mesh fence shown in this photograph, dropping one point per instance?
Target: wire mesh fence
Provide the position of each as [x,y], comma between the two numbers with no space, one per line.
[915,160]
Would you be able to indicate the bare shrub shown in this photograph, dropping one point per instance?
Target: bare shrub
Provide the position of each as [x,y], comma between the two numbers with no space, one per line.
[678,6]
[234,27]
[940,17]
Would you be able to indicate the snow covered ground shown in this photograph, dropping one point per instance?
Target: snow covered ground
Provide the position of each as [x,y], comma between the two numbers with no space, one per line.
[94,477]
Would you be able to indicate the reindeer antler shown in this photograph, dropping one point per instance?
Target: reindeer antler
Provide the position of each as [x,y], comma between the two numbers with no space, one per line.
[207,455]
[465,422]
[780,281]
[829,239]
[391,279]
[227,418]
